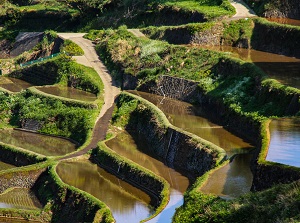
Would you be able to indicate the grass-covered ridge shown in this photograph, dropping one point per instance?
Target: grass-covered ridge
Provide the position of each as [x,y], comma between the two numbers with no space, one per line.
[281,203]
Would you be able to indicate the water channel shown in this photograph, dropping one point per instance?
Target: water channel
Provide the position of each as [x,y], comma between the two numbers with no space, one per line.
[38,143]
[68,92]
[284,144]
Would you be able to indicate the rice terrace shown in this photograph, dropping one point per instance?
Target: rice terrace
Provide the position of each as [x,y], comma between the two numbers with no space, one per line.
[161,111]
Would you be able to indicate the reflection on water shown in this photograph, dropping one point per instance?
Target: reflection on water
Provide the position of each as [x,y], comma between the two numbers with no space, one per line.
[231,180]
[125,146]
[284,144]
[13,84]
[282,68]
[42,144]
[19,198]
[115,193]
[191,119]
[68,92]
[293,22]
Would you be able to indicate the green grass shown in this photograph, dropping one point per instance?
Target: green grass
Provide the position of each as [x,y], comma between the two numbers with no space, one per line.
[211,9]
[279,204]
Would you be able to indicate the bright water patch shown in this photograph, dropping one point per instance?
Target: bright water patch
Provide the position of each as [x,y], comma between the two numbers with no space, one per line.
[231,180]
[68,92]
[38,143]
[284,144]
[19,198]
[124,145]
[127,203]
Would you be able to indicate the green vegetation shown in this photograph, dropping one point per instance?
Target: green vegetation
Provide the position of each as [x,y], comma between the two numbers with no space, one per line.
[71,48]
[280,203]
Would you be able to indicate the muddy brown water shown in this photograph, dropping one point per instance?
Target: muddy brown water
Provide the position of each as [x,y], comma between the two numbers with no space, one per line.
[293,22]
[127,203]
[13,84]
[124,145]
[192,119]
[282,68]
[38,143]
[284,144]
[68,92]
[236,176]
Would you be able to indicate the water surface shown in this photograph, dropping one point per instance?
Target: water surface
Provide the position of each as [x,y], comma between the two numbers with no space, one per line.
[13,84]
[192,119]
[124,145]
[38,143]
[287,21]
[127,203]
[231,180]
[19,198]
[68,92]
[284,144]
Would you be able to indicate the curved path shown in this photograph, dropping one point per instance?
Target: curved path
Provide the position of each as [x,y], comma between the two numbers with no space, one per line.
[242,10]
[91,59]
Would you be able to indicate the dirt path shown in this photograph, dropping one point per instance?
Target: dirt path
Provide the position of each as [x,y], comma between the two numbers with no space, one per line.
[242,10]
[91,59]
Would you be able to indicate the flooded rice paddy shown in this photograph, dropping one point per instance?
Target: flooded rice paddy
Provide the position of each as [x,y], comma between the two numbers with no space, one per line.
[286,21]
[284,144]
[38,143]
[127,203]
[68,92]
[13,84]
[192,119]
[126,146]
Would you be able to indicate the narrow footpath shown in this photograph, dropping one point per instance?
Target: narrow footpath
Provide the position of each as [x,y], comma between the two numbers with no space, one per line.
[242,10]
[91,59]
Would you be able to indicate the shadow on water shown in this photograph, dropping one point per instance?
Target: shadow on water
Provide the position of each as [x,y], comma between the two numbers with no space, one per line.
[235,178]
[196,120]
[132,148]
[127,203]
